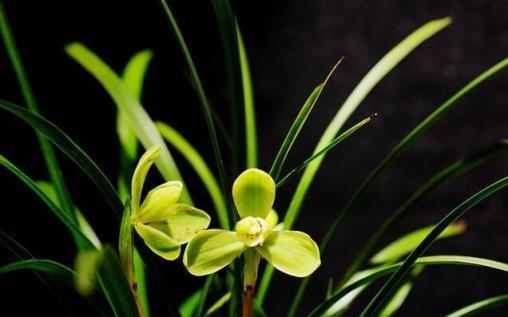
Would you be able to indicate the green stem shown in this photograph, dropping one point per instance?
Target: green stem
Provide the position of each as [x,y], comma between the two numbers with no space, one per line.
[249,280]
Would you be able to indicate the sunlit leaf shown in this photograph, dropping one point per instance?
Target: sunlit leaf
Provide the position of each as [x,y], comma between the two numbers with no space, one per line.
[203,100]
[410,241]
[452,216]
[481,306]
[86,266]
[200,166]
[138,118]
[355,98]
[375,274]
[434,183]
[296,127]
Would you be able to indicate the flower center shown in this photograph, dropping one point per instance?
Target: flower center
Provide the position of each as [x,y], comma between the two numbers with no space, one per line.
[251,230]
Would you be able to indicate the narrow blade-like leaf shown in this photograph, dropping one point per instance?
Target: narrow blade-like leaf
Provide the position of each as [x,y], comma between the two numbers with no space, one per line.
[395,279]
[200,167]
[47,150]
[205,105]
[368,82]
[379,272]
[478,307]
[297,125]
[71,149]
[44,266]
[64,217]
[139,120]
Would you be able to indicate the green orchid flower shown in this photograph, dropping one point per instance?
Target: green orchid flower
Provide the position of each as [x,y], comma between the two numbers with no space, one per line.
[161,221]
[292,252]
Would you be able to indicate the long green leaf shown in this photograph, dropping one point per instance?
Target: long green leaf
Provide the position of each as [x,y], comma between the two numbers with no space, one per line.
[395,279]
[47,150]
[83,224]
[133,76]
[139,120]
[478,307]
[64,217]
[394,153]
[443,177]
[297,125]
[368,82]
[203,296]
[218,304]
[410,241]
[189,305]
[227,25]
[404,143]
[205,105]
[200,167]
[43,266]
[377,273]
[70,148]
[325,150]
[248,103]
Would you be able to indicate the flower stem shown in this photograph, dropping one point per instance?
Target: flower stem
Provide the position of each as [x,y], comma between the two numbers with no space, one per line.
[249,280]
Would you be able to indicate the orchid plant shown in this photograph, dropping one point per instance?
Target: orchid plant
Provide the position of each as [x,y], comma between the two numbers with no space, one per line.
[247,227]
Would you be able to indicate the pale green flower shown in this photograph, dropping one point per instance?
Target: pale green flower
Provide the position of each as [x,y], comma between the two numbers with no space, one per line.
[292,252]
[163,222]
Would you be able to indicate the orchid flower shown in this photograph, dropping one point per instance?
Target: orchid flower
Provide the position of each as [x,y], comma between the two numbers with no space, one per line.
[292,252]
[163,222]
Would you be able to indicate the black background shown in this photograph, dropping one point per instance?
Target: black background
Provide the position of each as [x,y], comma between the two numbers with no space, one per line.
[291,45]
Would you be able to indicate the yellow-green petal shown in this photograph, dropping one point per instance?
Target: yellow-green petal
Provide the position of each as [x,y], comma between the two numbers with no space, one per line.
[211,250]
[185,221]
[159,242]
[272,219]
[254,193]
[138,178]
[158,201]
[292,252]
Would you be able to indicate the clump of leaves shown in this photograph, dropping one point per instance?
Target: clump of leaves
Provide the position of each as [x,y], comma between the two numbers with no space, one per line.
[166,218]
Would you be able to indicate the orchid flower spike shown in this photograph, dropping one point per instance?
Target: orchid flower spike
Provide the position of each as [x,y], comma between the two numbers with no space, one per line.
[163,222]
[292,252]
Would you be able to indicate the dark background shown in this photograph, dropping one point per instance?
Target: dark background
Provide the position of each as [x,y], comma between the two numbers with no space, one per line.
[291,45]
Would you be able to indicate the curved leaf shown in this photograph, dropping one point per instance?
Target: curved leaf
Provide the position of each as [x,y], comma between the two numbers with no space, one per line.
[297,125]
[368,82]
[139,120]
[198,163]
[396,278]
[440,179]
[63,216]
[407,243]
[379,272]
[480,306]
[43,266]
[47,150]
[325,149]
[71,149]
[205,105]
